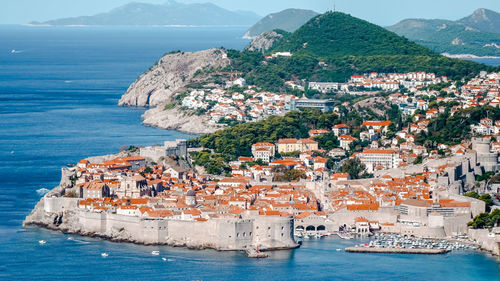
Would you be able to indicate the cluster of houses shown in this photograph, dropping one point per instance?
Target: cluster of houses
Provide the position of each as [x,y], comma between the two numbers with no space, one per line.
[224,104]
[125,186]
[482,90]
[379,82]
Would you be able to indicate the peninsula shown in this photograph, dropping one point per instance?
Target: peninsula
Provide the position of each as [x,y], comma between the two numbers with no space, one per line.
[292,149]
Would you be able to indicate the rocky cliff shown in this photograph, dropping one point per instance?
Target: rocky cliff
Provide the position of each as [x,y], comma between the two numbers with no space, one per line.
[176,119]
[265,41]
[172,72]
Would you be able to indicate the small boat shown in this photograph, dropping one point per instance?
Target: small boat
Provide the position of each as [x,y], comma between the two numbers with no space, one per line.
[42,242]
[338,250]
[13,51]
[71,238]
[104,255]
[155,253]
[164,259]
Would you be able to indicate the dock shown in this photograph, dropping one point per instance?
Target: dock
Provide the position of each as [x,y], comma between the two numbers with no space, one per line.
[396,250]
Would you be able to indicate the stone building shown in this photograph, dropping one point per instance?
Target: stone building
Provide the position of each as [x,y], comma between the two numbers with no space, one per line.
[170,148]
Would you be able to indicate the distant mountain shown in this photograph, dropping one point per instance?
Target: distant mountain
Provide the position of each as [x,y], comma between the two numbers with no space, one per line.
[339,34]
[484,20]
[470,35]
[287,20]
[169,13]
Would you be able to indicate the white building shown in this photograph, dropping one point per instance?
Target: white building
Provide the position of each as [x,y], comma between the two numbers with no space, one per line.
[375,159]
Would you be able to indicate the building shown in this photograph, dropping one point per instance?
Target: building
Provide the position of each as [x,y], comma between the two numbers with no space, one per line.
[293,145]
[96,189]
[324,87]
[346,140]
[375,159]
[264,151]
[381,126]
[324,105]
[341,129]
[132,187]
[169,148]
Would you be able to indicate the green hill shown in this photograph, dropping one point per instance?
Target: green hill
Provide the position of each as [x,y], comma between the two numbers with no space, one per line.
[339,34]
[333,46]
[472,35]
[288,20]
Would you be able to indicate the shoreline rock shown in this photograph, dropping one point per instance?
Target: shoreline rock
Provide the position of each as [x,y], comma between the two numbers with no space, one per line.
[467,56]
[176,119]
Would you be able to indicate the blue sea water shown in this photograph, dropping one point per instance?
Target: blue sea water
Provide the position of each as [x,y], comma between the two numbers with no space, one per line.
[58,95]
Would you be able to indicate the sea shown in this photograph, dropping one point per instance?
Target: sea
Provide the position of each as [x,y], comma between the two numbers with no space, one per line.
[59,88]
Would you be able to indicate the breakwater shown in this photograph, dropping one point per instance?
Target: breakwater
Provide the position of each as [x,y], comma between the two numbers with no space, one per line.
[396,250]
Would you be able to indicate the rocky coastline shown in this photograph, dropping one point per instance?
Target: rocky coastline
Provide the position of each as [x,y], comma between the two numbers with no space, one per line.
[179,120]
[158,87]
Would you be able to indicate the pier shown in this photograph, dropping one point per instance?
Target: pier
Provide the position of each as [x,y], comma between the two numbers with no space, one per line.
[396,250]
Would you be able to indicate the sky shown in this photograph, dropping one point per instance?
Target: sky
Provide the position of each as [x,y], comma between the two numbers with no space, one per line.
[381,12]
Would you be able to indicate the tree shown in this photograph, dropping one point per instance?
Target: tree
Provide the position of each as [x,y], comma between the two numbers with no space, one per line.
[487,200]
[494,218]
[480,221]
[354,168]
[472,194]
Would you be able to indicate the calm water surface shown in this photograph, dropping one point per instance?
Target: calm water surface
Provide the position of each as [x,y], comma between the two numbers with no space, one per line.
[58,95]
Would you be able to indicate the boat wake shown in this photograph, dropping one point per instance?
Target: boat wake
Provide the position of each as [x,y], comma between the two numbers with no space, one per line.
[15,51]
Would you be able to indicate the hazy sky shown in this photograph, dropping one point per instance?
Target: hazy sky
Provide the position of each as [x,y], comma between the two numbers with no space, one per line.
[382,12]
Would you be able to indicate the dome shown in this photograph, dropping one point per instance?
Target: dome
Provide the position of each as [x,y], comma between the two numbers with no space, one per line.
[190,193]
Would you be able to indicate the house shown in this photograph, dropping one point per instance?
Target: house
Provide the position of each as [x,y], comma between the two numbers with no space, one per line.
[380,126]
[293,145]
[346,140]
[175,172]
[264,151]
[432,113]
[341,129]
[336,152]
[95,189]
[317,132]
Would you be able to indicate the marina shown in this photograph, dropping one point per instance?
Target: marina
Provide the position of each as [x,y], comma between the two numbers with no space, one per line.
[396,250]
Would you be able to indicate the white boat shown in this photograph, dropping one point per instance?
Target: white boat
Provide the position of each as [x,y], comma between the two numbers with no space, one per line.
[42,242]
[164,259]
[104,255]
[155,253]
[338,250]
[13,51]
[70,238]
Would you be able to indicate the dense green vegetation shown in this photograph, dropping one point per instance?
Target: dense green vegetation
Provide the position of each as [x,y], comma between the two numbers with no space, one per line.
[347,46]
[237,141]
[339,34]
[486,220]
[355,169]
[451,130]
[214,163]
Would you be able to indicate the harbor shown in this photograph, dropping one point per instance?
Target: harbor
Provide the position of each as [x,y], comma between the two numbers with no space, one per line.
[394,243]
[396,250]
